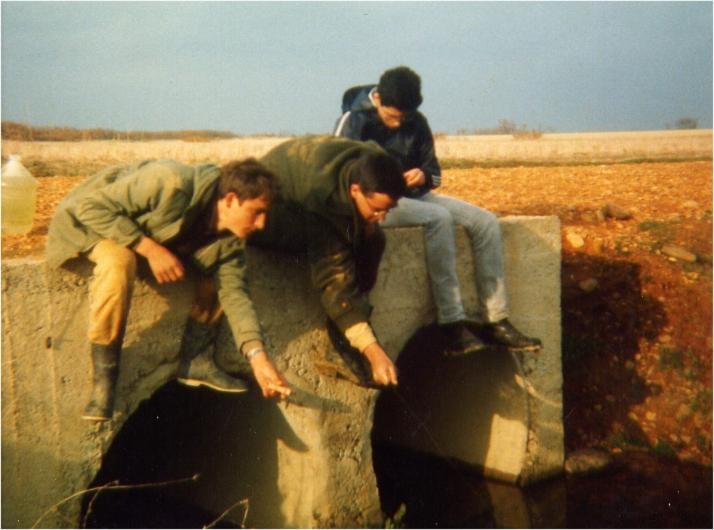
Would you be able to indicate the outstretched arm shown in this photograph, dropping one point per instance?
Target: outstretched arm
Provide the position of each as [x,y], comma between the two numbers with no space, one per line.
[270,380]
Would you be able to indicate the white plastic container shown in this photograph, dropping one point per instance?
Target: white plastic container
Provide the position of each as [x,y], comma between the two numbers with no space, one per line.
[19,197]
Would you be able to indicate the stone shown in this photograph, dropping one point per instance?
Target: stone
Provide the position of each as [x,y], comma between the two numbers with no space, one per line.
[574,239]
[679,253]
[588,285]
[587,462]
[613,211]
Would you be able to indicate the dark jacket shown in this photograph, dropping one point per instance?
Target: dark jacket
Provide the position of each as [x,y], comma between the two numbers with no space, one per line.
[412,143]
[163,200]
[317,215]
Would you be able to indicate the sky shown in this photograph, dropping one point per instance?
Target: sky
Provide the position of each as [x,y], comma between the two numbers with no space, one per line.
[281,67]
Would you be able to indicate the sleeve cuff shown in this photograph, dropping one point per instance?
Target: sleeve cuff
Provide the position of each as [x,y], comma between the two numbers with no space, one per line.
[360,336]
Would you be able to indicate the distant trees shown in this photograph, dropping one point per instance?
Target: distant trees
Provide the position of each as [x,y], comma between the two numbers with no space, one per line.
[18,131]
[505,127]
[685,123]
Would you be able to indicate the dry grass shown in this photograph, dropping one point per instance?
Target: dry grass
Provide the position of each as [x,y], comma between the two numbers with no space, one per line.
[77,158]
[580,147]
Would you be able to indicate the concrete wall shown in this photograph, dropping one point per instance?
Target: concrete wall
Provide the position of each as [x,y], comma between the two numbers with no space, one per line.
[313,459]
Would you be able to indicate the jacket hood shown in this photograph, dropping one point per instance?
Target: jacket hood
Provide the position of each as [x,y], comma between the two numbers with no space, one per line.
[358,98]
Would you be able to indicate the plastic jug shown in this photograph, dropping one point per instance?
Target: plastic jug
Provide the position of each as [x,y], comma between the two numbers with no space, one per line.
[19,197]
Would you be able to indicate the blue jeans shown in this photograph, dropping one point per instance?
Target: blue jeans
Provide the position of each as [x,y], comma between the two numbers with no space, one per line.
[438,214]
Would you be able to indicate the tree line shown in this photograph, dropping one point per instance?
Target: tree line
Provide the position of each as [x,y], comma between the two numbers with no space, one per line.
[18,131]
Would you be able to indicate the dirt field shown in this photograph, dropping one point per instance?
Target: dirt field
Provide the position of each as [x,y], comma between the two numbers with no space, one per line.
[637,322]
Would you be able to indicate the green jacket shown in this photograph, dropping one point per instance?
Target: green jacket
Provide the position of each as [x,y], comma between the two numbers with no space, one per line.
[318,215]
[159,199]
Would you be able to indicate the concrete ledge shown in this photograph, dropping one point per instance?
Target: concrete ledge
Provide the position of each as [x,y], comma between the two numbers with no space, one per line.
[319,449]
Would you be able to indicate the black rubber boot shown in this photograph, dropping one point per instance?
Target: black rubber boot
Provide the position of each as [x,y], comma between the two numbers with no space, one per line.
[197,366]
[459,341]
[105,360]
[504,333]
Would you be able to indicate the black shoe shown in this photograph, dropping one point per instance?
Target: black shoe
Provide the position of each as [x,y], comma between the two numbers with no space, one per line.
[357,363]
[197,366]
[503,332]
[203,371]
[459,341]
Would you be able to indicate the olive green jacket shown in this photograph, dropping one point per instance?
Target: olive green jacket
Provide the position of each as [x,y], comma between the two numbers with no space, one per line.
[318,215]
[159,199]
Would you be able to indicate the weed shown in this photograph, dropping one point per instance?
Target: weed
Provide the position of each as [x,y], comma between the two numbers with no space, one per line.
[622,439]
[621,247]
[664,449]
[703,442]
[702,401]
[662,231]
[670,358]
[396,520]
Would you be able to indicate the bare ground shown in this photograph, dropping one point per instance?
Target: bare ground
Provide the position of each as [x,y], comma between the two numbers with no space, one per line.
[637,323]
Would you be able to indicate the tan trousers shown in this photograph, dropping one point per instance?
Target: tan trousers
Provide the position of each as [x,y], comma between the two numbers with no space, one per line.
[112,286]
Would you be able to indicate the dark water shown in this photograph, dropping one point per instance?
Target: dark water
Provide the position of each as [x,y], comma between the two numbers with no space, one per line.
[176,433]
[640,491]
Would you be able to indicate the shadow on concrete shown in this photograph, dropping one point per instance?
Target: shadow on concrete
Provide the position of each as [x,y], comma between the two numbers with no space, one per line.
[440,417]
[229,441]
[602,331]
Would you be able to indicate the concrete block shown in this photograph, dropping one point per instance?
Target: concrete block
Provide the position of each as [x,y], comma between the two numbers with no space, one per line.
[312,467]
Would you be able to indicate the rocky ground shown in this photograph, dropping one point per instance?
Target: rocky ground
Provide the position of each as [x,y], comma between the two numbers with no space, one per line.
[636,293]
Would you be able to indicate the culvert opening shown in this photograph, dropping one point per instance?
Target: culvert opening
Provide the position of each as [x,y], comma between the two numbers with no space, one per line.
[228,442]
[443,493]
[430,491]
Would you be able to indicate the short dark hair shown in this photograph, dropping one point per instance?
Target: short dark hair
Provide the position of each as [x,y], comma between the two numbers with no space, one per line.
[248,179]
[400,87]
[379,172]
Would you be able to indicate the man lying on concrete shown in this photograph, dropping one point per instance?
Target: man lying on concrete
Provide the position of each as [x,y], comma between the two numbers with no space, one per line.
[177,218]
[335,192]
[387,113]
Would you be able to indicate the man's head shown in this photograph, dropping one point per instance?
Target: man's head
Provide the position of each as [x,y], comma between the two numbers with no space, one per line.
[398,94]
[246,190]
[376,185]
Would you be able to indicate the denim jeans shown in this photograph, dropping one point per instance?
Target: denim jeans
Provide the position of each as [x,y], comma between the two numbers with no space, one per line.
[438,214]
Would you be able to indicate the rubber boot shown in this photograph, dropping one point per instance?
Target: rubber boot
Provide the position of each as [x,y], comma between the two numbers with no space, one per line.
[105,360]
[197,366]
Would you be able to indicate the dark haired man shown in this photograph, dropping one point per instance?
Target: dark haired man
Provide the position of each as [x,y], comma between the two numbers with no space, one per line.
[174,216]
[335,192]
[387,114]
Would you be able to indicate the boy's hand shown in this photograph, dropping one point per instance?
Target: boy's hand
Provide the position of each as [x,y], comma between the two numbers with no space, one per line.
[383,370]
[414,178]
[164,264]
[271,381]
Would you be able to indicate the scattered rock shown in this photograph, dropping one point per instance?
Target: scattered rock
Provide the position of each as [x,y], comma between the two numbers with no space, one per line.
[574,239]
[679,253]
[692,205]
[587,462]
[588,285]
[615,212]
[588,217]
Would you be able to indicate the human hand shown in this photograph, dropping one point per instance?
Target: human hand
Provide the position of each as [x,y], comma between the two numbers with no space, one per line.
[383,370]
[271,381]
[164,264]
[414,178]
